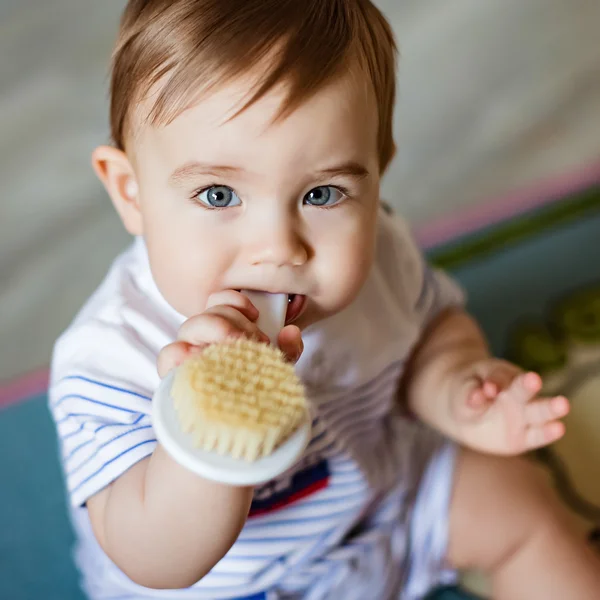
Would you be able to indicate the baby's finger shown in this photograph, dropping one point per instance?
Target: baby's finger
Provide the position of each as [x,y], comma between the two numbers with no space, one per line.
[477,398]
[525,387]
[471,403]
[236,300]
[490,389]
[543,435]
[290,342]
[218,324]
[546,409]
[173,355]
[499,378]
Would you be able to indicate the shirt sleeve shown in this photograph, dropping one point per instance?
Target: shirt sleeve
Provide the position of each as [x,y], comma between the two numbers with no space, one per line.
[100,397]
[423,289]
[438,292]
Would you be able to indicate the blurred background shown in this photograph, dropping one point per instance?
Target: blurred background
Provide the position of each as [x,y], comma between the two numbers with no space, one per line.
[493,95]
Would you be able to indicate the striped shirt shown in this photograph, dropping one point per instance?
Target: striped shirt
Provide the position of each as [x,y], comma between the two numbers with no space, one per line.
[351,518]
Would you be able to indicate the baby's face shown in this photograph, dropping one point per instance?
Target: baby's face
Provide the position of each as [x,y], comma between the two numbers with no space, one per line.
[246,203]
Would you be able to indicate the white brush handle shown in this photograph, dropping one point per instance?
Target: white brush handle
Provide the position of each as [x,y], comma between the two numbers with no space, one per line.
[272,309]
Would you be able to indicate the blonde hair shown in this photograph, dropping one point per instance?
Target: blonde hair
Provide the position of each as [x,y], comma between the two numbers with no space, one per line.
[194,45]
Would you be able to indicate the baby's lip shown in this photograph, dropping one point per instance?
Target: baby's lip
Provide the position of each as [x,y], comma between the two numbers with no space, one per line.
[296,306]
[267,291]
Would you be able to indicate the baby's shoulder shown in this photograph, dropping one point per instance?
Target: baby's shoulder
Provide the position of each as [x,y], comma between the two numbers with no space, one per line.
[399,261]
[118,332]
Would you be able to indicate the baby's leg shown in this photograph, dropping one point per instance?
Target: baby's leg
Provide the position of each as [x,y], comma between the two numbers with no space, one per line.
[506,521]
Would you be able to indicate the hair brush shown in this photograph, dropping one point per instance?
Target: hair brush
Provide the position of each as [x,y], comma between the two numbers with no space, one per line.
[237,412]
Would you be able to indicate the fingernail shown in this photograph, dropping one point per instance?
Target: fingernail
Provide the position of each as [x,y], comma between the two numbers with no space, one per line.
[532,380]
[555,431]
[491,389]
[560,404]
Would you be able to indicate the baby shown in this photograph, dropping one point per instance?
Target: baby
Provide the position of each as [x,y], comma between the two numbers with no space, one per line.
[250,138]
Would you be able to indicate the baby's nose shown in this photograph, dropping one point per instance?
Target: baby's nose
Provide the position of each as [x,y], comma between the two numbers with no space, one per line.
[278,247]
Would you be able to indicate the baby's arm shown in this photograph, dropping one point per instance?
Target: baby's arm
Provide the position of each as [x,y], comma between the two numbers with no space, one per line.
[455,385]
[451,381]
[451,341]
[164,526]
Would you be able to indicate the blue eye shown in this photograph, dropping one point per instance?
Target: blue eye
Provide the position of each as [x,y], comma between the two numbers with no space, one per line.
[218,196]
[325,195]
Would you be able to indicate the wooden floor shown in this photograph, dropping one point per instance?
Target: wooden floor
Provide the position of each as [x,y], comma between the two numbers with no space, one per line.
[494,95]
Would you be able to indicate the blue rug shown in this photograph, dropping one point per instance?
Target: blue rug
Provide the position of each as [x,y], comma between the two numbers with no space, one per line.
[35,534]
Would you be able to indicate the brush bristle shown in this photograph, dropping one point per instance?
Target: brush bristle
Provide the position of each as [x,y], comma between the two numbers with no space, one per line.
[239,398]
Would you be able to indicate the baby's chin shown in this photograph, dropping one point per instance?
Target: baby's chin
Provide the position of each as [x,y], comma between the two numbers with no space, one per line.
[185,307]
[321,311]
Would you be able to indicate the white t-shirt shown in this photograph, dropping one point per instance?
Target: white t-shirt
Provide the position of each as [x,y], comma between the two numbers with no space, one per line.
[359,477]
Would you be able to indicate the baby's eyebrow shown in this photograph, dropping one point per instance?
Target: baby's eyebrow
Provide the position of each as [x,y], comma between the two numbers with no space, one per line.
[348,169]
[195,169]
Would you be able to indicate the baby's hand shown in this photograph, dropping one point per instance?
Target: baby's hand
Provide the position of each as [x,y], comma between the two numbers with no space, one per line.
[498,410]
[228,315]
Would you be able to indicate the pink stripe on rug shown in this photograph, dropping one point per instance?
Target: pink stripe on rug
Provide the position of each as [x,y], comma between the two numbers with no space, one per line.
[444,230]
[23,388]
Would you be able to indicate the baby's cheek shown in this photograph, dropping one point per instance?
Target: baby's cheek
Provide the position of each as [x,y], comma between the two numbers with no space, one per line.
[347,273]
[184,279]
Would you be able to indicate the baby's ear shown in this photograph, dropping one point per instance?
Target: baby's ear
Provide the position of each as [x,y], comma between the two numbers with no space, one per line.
[116,173]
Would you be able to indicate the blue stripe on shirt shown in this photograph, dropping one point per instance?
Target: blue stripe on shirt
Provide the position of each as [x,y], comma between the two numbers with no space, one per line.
[254,524]
[77,448]
[71,415]
[92,401]
[87,442]
[72,433]
[85,462]
[120,424]
[112,460]
[104,385]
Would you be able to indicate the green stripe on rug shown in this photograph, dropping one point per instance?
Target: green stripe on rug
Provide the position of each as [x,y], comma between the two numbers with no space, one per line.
[492,239]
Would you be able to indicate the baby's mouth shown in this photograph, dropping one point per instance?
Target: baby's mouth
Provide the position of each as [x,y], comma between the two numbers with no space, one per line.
[295,307]
[296,304]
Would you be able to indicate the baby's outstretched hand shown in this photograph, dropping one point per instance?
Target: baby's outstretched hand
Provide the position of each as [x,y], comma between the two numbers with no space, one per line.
[498,409]
[228,315]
